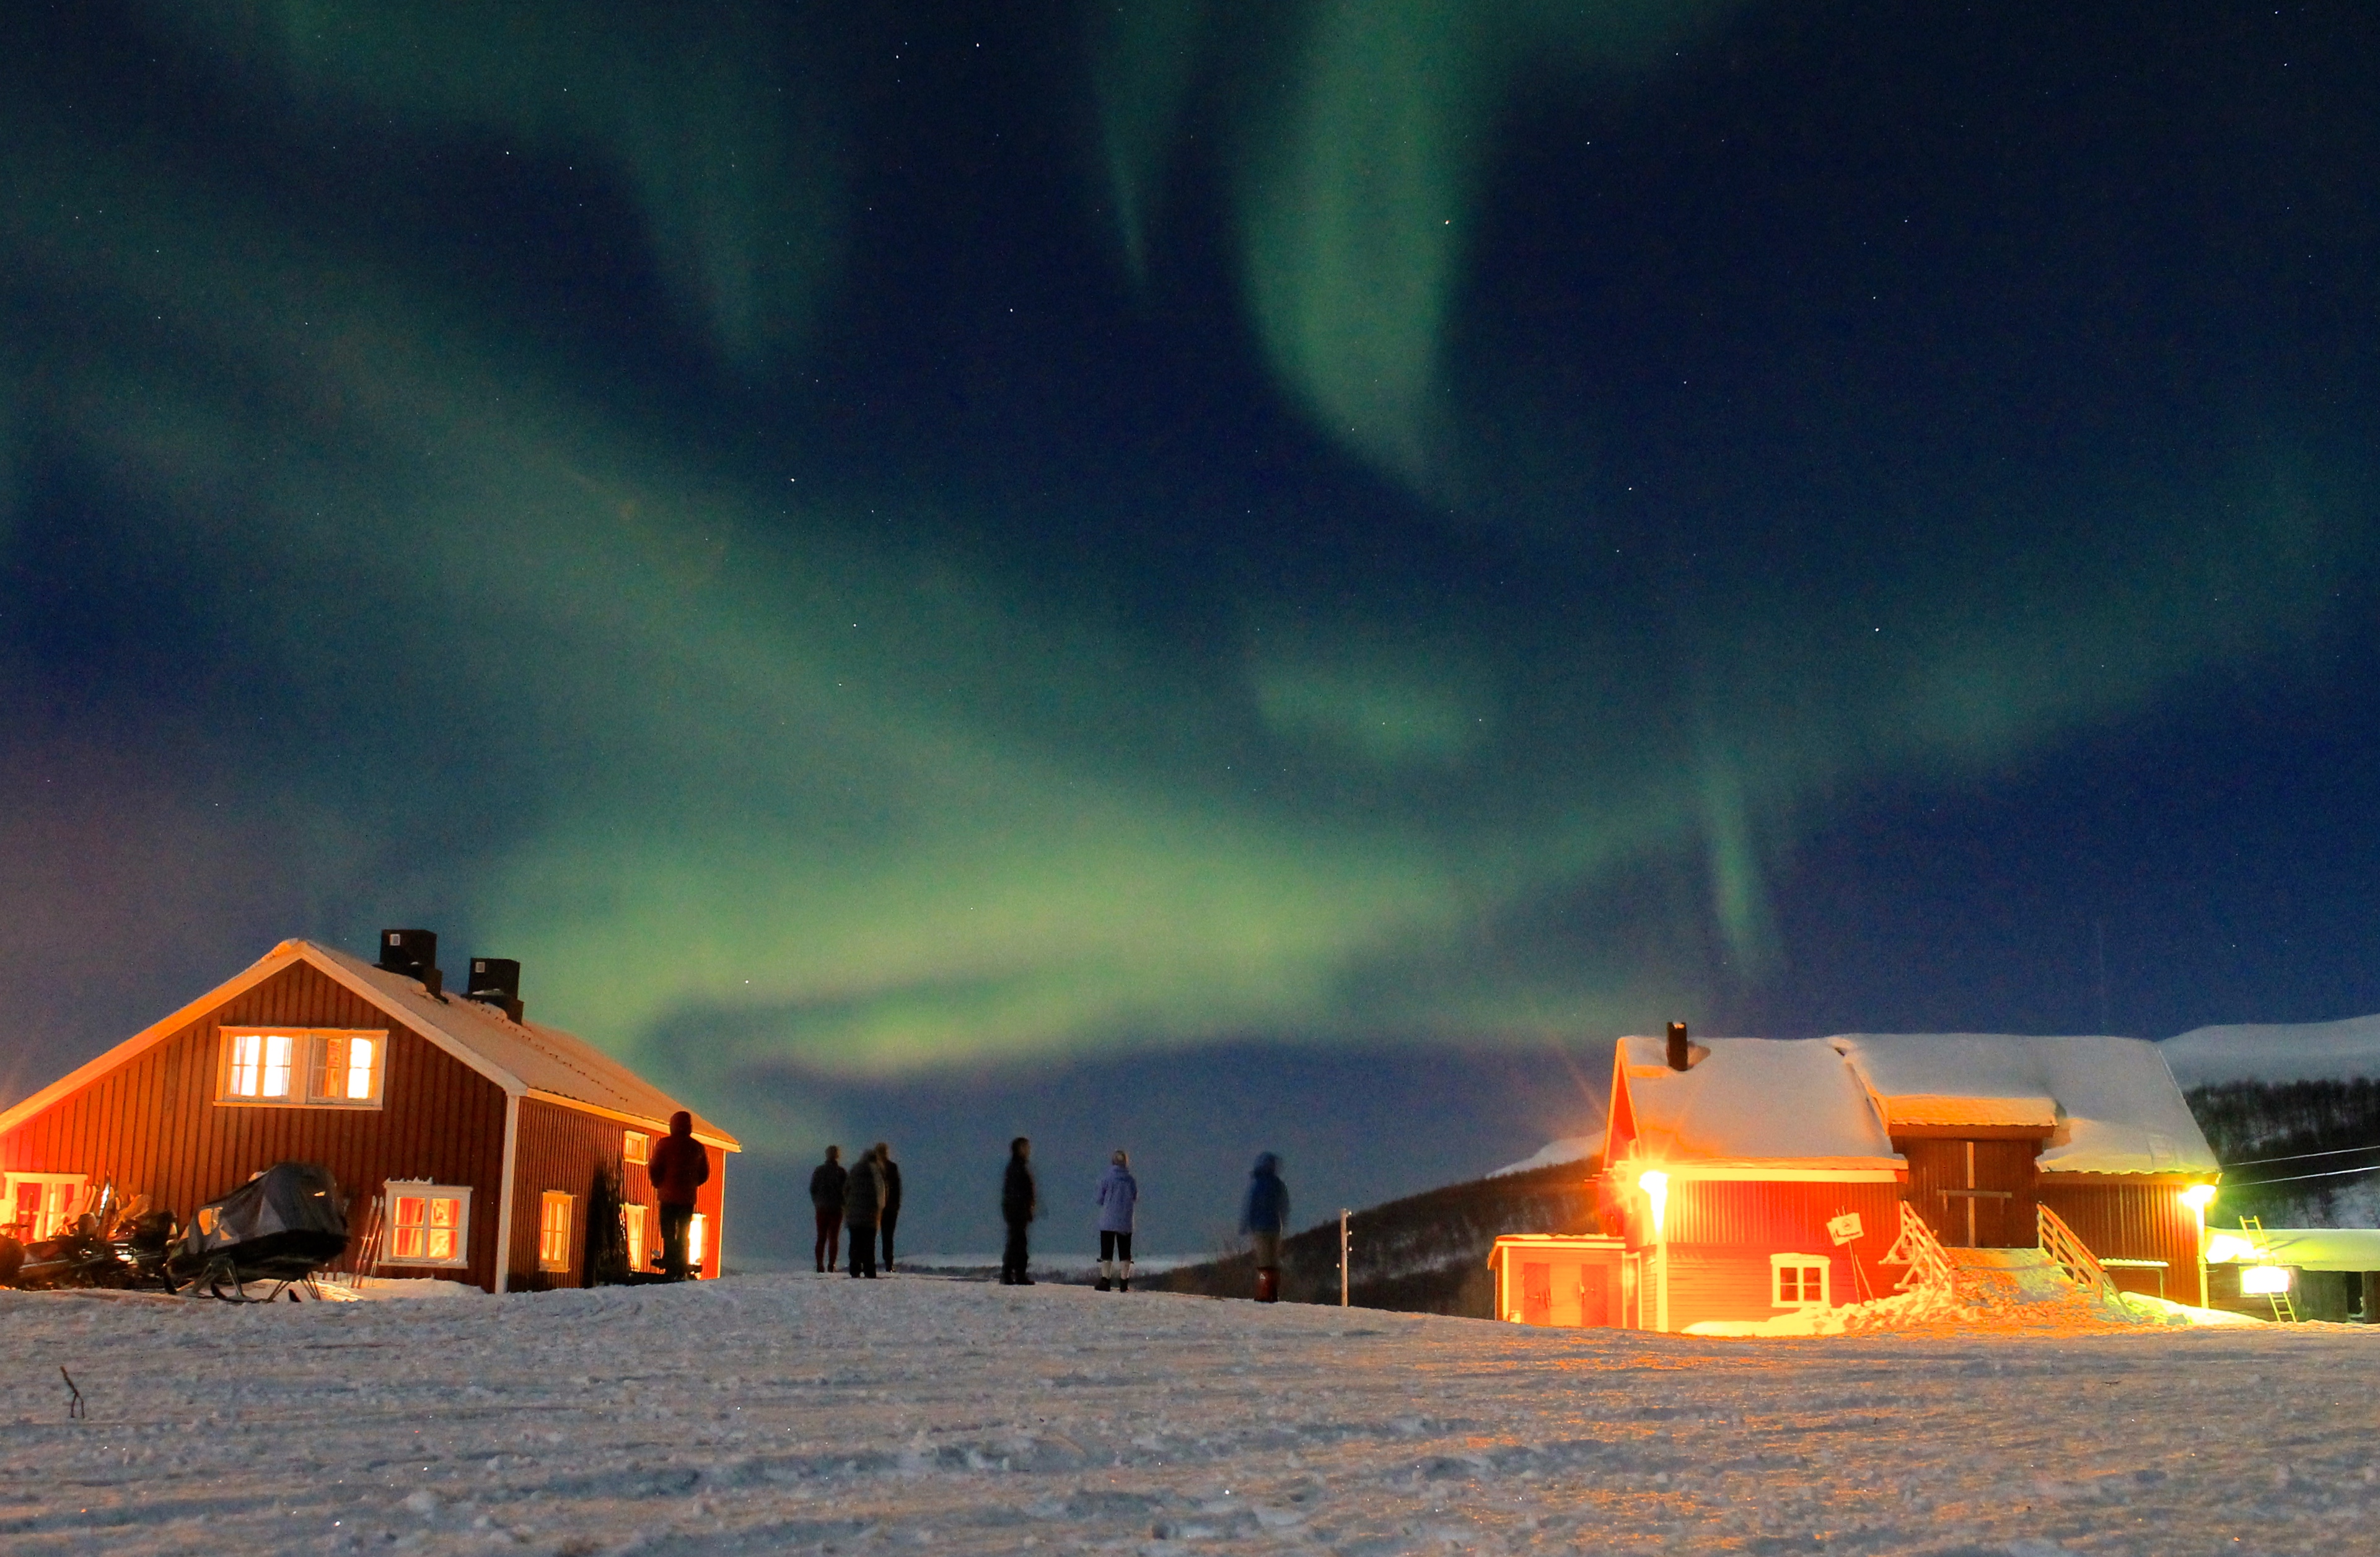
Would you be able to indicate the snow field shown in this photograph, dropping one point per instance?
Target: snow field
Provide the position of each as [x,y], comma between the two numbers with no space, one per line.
[800,1413]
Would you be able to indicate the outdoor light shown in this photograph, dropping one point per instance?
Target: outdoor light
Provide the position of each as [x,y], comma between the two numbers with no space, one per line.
[2198,1197]
[2259,1280]
[1656,1185]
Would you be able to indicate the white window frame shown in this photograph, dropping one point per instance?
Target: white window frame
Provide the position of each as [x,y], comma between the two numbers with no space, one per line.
[422,1188]
[1779,1263]
[49,1220]
[550,1258]
[249,1057]
[636,1226]
[636,1148]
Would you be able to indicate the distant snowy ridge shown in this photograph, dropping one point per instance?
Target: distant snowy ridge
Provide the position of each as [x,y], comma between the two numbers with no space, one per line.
[1553,1154]
[2342,1051]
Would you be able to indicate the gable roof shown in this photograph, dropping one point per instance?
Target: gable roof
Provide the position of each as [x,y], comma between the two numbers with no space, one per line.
[2111,1104]
[1744,1100]
[527,1059]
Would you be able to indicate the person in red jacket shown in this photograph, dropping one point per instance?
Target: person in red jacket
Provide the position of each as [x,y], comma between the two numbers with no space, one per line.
[678,1168]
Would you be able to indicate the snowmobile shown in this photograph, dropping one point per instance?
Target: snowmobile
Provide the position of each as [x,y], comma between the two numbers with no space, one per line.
[112,1245]
[280,1227]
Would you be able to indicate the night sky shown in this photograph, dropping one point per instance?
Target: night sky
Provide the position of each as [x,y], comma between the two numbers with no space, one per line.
[1200,576]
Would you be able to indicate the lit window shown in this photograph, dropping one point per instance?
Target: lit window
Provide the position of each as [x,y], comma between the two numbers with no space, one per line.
[636,1146]
[428,1224]
[1799,1280]
[553,1232]
[2263,1280]
[632,1223]
[41,1205]
[306,1066]
[698,1234]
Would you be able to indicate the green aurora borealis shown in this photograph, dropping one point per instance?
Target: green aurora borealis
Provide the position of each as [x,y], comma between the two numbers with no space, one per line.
[623,644]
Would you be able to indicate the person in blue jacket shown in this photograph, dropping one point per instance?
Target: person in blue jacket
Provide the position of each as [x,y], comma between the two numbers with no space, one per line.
[1263,1217]
[1119,1192]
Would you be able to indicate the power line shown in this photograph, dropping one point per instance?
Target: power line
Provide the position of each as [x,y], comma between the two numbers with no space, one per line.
[2300,1156]
[2294,1178]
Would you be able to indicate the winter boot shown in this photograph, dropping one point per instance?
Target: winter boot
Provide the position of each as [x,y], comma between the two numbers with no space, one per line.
[1268,1285]
[1100,1286]
[1123,1282]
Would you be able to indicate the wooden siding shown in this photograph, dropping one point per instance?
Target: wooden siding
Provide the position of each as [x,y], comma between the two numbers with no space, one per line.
[561,1148]
[1941,1172]
[2145,1221]
[1725,1221]
[154,1123]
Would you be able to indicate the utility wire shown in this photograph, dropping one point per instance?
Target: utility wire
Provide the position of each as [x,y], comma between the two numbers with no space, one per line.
[2294,1178]
[2300,1156]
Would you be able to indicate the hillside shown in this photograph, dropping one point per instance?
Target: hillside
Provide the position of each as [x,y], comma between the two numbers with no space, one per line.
[1425,1254]
[2295,1111]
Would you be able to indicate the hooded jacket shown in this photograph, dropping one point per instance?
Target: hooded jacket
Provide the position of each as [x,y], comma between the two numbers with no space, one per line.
[679,1165]
[1266,1206]
[1119,1192]
[863,1193]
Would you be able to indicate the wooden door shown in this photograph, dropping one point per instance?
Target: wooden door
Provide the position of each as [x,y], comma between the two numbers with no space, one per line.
[1975,1194]
[1537,1293]
[1595,1294]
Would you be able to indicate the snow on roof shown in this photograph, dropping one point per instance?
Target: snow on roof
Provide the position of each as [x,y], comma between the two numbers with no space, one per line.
[2339,1050]
[2308,1248]
[535,1057]
[2113,1104]
[1751,1100]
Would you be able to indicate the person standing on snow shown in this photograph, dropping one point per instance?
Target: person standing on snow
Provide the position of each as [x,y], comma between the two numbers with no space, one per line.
[887,1174]
[826,1204]
[1262,1217]
[1020,1202]
[1119,1192]
[678,1169]
[863,1197]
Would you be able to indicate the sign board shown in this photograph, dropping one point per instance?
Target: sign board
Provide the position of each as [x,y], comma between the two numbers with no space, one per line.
[1845,1228]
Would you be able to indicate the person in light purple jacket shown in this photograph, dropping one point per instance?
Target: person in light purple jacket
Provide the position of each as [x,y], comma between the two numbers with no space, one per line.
[1119,1193]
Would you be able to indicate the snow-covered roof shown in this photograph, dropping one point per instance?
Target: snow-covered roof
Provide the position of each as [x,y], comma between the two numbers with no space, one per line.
[2341,1051]
[522,1058]
[2308,1248]
[1751,1100]
[2111,1104]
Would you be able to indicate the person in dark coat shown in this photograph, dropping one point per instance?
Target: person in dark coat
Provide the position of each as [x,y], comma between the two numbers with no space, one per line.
[678,1168]
[1119,1194]
[888,1175]
[1020,1202]
[826,1204]
[1263,1217]
[863,1200]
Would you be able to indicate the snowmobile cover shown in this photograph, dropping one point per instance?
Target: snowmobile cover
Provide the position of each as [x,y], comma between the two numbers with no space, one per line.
[287,1220]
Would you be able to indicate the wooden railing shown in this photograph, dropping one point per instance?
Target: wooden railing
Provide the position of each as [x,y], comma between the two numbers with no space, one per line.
[1929,1267]
[2081,1266]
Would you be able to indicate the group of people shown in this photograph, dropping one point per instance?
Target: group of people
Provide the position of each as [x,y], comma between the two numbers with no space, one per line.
[865,1200]
[860,1203]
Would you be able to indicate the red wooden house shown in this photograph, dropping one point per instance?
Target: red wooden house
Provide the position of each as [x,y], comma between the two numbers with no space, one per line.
[478,1133]
[1747,1177]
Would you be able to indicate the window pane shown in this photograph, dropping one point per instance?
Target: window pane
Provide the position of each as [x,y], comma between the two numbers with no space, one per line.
[360,1069]
[247,1051]
[441,1242]
[406,1244]
[442,1212]
[277,1065]
[409,1210]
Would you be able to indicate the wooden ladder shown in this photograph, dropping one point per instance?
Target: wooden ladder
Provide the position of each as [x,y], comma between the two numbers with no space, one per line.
[2285,1308]
[2074,1256]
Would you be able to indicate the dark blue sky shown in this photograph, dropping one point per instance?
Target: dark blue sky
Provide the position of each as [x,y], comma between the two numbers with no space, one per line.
[1202,575]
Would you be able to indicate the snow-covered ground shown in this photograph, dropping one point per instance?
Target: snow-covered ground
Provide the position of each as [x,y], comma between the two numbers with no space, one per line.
[795,1414]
